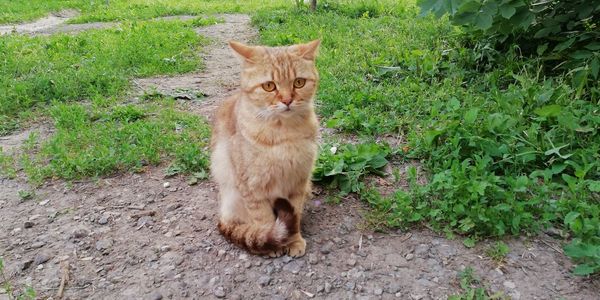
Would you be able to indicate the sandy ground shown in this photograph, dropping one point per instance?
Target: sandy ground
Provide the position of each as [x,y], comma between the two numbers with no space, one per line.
[143,236]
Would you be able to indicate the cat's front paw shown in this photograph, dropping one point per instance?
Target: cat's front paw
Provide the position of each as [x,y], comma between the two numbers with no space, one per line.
[276,253]
[297,248]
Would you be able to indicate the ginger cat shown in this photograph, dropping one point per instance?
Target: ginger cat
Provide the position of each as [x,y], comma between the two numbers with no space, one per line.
[264,146]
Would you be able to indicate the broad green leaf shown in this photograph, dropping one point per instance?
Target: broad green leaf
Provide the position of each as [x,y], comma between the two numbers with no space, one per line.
[548,110]
[594,185]
[595,67]
[581,54]
[570,217]
[507,11]
[542,48]
[584,269]
[593,46]
[564,45]
[483,21]
[469,242]
[471,115]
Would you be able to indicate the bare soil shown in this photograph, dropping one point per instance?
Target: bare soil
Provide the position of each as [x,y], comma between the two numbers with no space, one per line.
[144,236]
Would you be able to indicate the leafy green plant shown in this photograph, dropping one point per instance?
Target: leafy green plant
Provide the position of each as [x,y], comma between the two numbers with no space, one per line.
[345,166]
[498,251]
[26,195]
[586,254]
[564,33]
[473,288]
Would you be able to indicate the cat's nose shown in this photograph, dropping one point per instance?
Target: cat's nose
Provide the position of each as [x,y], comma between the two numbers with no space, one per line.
[287,101]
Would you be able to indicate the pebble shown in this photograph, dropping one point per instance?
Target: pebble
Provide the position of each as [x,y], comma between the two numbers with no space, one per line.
[189,249]
[166,184]
[378,291]
[219,292]
[350,285]
[37,245]
[395,259]
[25,264]
[292,267]
[103,220]
[409,256]
[80,233]
[351,262]
[421,250]
[509,284]
[394,287]
[326,249]
[103,244]
[156,296]
[28,224]
[327,287]
[41,258]
[239,278]
[313,259]
[221,253]
[264,280]
[173,206]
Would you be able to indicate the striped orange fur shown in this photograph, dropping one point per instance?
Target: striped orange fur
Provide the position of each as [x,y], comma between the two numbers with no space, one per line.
[264,147]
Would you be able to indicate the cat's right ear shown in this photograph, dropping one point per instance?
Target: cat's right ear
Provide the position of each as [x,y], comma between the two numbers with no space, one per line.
[248,53]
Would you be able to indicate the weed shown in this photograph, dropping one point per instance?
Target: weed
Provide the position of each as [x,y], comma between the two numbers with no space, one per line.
[344,167]
[28,292]
[498,251]
[26,195]
[472,287]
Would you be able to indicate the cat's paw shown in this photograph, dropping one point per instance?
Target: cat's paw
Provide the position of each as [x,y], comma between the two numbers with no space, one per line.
[276,253]
[297,248]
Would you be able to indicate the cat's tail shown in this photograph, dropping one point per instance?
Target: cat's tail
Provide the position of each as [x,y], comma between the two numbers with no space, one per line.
[264,239]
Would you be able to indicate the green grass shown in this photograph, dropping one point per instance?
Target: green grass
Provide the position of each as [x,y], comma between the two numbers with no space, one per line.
[509,150]
[95,63]
[107,137]
[13,11]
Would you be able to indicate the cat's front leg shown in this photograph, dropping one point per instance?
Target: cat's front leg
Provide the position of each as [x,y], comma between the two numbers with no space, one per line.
[296,246]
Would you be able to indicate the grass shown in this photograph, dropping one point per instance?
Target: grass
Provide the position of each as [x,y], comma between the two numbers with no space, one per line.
[95,63]
[118,10]
[107,137]
[509,150]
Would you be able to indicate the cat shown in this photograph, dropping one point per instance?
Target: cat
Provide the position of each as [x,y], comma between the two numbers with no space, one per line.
[264,146]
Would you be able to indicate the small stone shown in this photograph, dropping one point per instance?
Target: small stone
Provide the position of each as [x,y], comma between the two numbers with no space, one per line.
[37,245]
[239,278]
[189,249]
[393,287]
[173,206]
[103,220]
[156,295]
[327,287]
[337,240]
[320,288]
[509,285]
[221,253]
[351,262]
[264,280]
[313,259]
[219,292]
[24,265]
[350,285]
[326,249]
[41,258]
[409,256]
[80,233]
[28,224]
[395,259]
[166,184]
[243,256]
[104,244]
[378,291]
[44,202]
[292,267]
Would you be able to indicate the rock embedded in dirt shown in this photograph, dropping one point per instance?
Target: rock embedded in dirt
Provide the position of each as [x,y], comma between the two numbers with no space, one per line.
[41,258]
[24,265]
[293,267]
[156,295]
[395,259]
[313,259]
[219,292]
[378,291]
[509,285]
[104,244]
[103,219]
[38,244]
[79,233]
[327,287]
[28,224]
[264,280]
[326,248]
[351,262]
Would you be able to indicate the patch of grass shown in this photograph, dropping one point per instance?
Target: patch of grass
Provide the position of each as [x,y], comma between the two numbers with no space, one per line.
[28,292]
[26,195]
[96,140]
[508,148]
[95,63]
[473,288]
[498,251]
[7,165]
[119,10]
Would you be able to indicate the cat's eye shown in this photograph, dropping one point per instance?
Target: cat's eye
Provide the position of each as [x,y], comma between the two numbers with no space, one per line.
[269,86]
[299,82]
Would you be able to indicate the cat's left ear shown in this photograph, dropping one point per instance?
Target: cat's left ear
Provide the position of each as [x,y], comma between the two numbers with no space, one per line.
[248,53]
[308,50]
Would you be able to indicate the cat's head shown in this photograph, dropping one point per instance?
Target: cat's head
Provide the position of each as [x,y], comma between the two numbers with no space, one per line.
[279,81]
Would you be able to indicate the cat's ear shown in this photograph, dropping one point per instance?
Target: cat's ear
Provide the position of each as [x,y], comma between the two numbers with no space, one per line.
[308,50]
[248,53]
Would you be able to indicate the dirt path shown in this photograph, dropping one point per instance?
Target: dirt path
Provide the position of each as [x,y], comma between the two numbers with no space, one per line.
[54,20]
[141,236]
